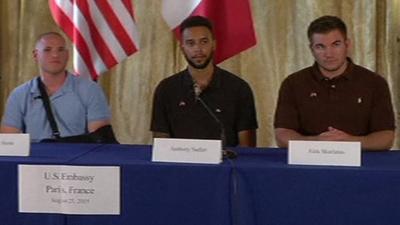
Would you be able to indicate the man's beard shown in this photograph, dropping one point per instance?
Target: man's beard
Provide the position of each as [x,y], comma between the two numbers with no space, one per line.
[200,66]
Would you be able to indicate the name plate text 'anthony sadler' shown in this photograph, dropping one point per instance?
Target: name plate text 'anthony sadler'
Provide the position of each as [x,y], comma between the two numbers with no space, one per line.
[187,150]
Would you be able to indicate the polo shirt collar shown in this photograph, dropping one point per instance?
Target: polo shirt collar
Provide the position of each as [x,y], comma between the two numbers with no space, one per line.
[347,74]
[35,88]
[67,87]
[215,80]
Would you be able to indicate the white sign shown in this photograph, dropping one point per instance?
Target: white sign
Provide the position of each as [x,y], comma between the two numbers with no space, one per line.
[14,144]
[69,189]
[327,153]
[187,150]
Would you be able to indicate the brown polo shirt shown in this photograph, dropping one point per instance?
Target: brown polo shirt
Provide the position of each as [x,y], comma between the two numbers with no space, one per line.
[357,102]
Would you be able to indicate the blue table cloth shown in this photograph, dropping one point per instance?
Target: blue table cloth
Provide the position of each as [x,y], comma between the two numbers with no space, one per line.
[258,187]
[281,194]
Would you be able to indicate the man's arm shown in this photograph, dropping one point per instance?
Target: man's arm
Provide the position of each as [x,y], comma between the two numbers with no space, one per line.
[284,135]
[159,124]
[98,112]
[247,138]
[379,140]
[8,129]
[94,125]
[160,135]
[246,123]
[12,121]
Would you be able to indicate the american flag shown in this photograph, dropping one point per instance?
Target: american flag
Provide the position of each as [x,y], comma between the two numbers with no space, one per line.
[103,32]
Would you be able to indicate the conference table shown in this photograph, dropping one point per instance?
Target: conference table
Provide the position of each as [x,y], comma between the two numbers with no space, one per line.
[258,187]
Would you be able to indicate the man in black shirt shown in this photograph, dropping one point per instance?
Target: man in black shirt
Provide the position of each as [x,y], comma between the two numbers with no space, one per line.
[178,113]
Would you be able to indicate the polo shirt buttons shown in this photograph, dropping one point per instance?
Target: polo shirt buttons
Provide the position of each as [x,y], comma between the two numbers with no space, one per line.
[333,86]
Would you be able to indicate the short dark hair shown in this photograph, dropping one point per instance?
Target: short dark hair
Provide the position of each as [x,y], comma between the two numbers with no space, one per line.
[196,21]
[325,24]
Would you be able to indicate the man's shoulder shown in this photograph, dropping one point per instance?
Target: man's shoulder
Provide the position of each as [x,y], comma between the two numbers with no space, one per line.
[176,76]
[81,81]
[365,73]
[82,84]
[368,78]
[25,88]
[173,80]
[300,75]
[230,77]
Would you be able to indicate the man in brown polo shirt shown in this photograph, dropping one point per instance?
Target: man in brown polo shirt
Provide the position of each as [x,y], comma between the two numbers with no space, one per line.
[335,99]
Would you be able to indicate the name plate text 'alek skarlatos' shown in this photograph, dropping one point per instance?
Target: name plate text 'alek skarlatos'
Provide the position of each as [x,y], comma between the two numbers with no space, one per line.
[324,153]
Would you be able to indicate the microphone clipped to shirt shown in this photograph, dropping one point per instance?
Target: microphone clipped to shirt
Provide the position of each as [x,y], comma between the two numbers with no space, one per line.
[197,91]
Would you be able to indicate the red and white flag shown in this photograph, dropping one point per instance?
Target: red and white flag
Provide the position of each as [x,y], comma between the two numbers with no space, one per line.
[232,20]
[103,32]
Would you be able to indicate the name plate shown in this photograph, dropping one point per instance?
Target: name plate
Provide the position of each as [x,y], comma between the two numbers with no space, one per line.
[69,189]
[14,144]
[187,150]
[326,153]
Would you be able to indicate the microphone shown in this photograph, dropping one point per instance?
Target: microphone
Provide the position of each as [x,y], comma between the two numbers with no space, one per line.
[226,153]
[197,91]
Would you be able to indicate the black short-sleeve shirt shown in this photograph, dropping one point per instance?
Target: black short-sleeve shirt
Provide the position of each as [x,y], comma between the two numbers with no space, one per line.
[176,112]
[357,102]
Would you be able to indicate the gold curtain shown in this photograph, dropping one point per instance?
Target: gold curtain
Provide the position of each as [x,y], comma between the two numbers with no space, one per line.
[282,48]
